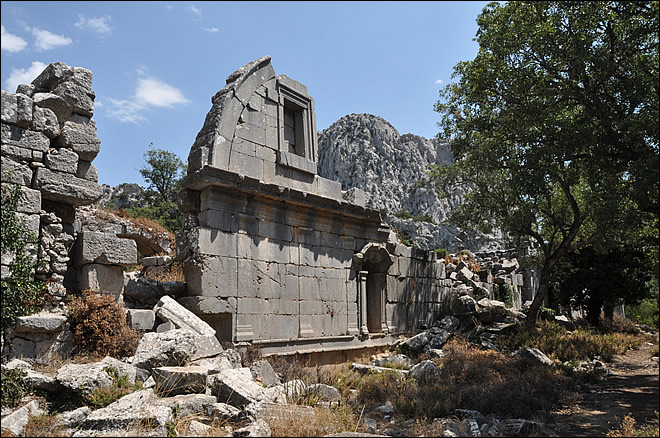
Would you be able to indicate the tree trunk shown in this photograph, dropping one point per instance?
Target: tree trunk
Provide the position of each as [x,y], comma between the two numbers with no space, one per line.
[542,292]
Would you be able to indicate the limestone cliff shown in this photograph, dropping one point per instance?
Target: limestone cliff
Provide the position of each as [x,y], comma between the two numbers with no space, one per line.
[365,151]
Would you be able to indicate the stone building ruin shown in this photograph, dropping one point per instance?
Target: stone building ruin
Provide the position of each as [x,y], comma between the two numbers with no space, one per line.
[273,254]
[279,257]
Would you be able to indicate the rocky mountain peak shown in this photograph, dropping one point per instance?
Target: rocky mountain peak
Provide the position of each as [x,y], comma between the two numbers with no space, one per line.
[366,151]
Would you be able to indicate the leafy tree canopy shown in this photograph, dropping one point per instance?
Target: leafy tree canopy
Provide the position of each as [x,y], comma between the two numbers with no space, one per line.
[163,171]
[554,125]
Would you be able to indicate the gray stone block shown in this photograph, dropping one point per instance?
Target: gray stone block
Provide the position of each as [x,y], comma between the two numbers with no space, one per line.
[140,319]
[169,310]
[98,247]
[102,278]
[61,160]
[60,107]
[16,136]
[60,186]
[171,381]
[29,201]
[79,134]
[87,171]
[79,97]
[212,276]
[16,109]
[165,327]
[44,120]
[42,322]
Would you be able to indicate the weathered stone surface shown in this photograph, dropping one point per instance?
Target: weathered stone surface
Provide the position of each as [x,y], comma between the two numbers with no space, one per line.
[464,304]
[60,186]
[534,354]
[324,392]
[72,419]
[140,319]
[16,136]
[60,107]
[127,413]
[236,387]
[424,371]
[171,348]
[165,327]
[27,89]
[16,109]
[43,322]
[263,373]
[195,428]
[79,134]
[104,248]
[54,74]
[29,201]
[172,381]
[366,369]
[86,377]
[188,404]
[145,291]
[16,421]
[400,360]
[169,310]
[222,411]
[13,172]
[80,98]
[61,160]
[44,120]
[100,278]
[88,171]
[258,428]
[449,323]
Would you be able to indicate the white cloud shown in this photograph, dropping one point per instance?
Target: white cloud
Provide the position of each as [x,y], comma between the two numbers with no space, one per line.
[45,40]
[100,25]
[194,10]
[149,93]
[212,29]
[19,76]
[157,93]
[438,82]
[11,42]
[126,111]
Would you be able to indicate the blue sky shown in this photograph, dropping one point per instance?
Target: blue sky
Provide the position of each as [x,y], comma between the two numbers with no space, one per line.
[157,64]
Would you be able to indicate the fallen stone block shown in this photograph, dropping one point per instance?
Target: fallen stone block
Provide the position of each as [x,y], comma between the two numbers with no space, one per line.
[169,310]
[43,322]
[222,411]
[236,387]
[263,373]
[16,421]
[141,319]
[258,428]
[171,348]
[87,377]
[126,414]
[172,381]
[188,404]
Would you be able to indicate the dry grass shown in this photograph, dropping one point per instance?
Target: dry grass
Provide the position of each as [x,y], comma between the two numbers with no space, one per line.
[43,425]
[170,272]
[580,344]
[629,427]
[141,222]
[325,421]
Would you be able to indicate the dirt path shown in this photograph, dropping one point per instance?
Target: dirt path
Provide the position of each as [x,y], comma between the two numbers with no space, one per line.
[630,388]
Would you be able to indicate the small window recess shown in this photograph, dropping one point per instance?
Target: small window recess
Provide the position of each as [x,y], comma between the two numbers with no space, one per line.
[297,147]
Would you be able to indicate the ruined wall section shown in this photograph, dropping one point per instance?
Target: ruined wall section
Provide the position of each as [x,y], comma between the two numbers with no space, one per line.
[244,132]
[49,141]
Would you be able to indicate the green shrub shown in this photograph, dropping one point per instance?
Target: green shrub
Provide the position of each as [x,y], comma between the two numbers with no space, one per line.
[99,326]
[441,252]
[402,214]
[21,294]
[504,293]
[13,387]
[645,312]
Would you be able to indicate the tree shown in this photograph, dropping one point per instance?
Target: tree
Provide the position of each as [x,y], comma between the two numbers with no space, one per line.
[554,126]
[163,172]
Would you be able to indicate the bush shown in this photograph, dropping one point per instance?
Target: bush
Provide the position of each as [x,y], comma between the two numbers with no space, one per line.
[504,293]
[13,387]
[21,294]
[102,397]
[645,312]
[99,326]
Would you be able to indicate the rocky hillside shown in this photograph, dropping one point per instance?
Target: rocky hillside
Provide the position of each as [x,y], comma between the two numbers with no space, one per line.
[365,151]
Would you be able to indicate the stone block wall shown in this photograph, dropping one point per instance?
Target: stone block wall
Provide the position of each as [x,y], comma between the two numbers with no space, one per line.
[48,144]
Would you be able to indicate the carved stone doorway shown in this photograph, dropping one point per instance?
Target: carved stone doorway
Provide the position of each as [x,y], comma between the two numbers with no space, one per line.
[372,264]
